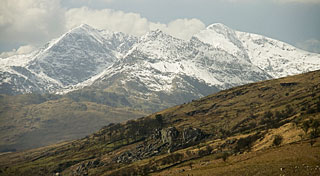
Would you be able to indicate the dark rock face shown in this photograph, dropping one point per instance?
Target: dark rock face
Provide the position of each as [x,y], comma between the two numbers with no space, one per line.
[162,141]
[82,169]
[191,135]
[169,135]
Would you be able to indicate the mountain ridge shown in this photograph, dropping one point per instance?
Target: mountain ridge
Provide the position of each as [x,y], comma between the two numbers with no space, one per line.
[100,50]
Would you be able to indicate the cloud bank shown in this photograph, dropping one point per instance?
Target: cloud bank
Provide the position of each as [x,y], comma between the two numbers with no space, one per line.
[311,45]
[30,21]
[25,49]
[34,22]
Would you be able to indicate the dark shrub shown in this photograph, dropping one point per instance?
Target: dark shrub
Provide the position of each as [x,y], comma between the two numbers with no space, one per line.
[277,140]
[246,142]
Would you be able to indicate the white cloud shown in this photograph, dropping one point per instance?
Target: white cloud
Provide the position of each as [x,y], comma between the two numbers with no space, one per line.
[181,28]
[130,23]
[35,22]
[311,45]
[30,21]
[21,50]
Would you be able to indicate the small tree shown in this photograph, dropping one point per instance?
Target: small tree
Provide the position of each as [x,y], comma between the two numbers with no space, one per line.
[209,149]
[189,153]
[314,125]
[289,110]
[159,119]
[312,141]
[225,156]
[190,165]
[305,126]
[315,131]
[277,140]
[268,114]
[246,143]
[318,106]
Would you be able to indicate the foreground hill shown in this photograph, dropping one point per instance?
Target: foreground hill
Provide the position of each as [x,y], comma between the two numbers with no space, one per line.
[253,129]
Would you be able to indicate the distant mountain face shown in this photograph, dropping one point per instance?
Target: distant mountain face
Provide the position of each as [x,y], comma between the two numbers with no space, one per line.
[73,58]
[277,58]
[155,68]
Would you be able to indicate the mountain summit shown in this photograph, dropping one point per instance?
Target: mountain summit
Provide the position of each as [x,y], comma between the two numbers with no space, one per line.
[155,67]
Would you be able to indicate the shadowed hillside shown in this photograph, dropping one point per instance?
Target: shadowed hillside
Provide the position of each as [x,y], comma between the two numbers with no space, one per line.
[33,120]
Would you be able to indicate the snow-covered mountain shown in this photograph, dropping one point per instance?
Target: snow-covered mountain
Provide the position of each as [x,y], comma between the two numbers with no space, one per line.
[162,69]
[75,57]
[277,58]
[155,68]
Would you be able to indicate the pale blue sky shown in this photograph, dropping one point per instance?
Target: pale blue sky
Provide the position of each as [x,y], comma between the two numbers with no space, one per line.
[293,21]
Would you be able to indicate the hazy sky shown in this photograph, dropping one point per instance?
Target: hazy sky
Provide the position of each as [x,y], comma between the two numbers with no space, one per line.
[28,24]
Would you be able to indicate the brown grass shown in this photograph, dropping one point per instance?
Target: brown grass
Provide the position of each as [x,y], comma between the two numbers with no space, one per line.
[291,159]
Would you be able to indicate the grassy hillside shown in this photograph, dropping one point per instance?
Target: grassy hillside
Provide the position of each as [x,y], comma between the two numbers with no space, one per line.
[32,120]
[293,159]
[265,128]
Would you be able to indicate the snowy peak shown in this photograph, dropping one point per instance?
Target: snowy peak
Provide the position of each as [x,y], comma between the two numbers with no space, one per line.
[85,26]
[158,45]
[82,28]
[222,37]
[76,56]
[218,27]
[155,35]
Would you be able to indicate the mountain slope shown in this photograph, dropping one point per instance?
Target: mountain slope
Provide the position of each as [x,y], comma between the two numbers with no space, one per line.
[239,123]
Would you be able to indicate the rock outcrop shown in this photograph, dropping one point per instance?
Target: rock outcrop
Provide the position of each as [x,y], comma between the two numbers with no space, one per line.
[162,141]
